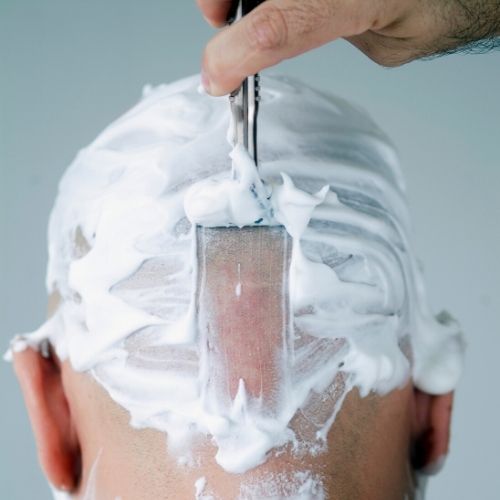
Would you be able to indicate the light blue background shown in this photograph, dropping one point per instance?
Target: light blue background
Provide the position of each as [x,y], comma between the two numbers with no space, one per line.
[67,68]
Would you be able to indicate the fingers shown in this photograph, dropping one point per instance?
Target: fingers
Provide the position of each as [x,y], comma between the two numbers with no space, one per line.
[215,11]
[274,31]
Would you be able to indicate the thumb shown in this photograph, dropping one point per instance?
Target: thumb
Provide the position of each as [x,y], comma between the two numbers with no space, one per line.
[274,31]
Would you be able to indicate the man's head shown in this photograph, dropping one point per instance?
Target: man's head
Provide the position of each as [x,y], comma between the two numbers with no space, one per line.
[181,356]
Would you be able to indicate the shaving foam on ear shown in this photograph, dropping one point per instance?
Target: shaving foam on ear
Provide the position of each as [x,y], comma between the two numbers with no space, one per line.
[122,255]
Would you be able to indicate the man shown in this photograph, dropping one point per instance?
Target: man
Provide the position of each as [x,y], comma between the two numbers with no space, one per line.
[290,356]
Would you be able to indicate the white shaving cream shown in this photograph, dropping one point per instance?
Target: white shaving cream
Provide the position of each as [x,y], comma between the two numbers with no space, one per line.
[131,201]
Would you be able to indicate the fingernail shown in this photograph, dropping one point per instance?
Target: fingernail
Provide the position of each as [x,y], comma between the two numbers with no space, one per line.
[205,81]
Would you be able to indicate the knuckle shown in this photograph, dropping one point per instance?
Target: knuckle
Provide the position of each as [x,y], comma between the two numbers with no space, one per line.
[385,59]
[387,53]
[393,59]
[267,28]
[389,63]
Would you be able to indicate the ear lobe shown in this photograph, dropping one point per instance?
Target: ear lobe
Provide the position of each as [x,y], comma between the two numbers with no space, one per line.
[432,421]
[58,447]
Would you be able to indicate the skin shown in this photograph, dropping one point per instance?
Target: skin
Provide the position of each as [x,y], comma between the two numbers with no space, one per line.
[134,464]
[78,429]
[390,32]
[87,447]
[85,443]
[142,454]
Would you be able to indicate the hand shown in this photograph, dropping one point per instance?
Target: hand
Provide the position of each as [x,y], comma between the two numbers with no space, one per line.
[391,32]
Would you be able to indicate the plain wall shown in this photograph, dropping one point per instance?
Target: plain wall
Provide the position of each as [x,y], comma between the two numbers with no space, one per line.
[68,68]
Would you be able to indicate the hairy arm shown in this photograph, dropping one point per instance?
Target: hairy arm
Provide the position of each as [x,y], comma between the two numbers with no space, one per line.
[390,32]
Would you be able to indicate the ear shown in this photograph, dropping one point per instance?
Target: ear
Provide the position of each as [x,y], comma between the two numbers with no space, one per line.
[55,435]
[432,421]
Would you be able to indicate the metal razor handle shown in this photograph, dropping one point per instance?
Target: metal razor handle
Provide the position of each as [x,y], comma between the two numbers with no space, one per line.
[244,101]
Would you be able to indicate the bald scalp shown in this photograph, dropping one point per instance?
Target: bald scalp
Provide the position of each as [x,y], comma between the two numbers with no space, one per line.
[366,456]
[356,442]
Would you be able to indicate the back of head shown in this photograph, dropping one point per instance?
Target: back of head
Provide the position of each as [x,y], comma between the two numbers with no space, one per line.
[329,329]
